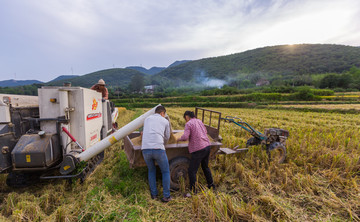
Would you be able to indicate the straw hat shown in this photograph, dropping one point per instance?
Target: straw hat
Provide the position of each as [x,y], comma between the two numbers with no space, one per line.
[101,82]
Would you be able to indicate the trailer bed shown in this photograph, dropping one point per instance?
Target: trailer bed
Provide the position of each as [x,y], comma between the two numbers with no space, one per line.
[135,158]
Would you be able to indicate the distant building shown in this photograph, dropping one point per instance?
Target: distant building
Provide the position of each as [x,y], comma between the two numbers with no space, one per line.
[262,82]
[150,89]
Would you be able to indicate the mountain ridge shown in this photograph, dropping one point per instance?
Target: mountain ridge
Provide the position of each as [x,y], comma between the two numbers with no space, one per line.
[13,82]
[118,77]
[272,63]
[155,70]
[63,77]
[151,71]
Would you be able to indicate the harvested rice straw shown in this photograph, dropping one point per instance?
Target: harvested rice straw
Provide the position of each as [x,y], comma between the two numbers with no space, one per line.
[173,138]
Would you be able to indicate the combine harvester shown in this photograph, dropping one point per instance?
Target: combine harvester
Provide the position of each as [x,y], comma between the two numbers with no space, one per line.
[39,135]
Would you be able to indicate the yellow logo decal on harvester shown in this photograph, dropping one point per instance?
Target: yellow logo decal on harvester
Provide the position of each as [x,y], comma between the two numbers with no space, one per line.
[66,167]
[112,140]
[28,159]
[94,105]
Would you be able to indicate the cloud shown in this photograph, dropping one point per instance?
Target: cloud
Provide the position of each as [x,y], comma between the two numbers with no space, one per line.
[42,39]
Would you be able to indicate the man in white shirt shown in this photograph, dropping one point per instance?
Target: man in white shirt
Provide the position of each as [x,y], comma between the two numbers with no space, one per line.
[156,133]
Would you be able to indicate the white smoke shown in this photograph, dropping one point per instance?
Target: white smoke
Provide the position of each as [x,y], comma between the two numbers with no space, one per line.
[208,81]
[214,82]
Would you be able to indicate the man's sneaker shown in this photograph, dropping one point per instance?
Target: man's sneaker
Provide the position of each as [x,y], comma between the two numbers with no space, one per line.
[211,186]
[166,199]
[154,197]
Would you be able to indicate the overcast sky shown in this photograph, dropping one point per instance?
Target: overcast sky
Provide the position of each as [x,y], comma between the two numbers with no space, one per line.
[42,39]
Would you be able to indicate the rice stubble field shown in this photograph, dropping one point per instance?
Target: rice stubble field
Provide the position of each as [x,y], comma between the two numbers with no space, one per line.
[319,180]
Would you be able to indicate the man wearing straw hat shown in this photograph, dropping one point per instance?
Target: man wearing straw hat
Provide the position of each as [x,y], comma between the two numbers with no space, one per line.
[100,87]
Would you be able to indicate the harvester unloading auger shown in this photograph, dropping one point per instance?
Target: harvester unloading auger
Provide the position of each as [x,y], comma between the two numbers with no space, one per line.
[70,160]
[45,137]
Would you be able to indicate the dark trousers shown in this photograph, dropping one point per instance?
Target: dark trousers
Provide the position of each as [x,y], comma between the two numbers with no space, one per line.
[197,158]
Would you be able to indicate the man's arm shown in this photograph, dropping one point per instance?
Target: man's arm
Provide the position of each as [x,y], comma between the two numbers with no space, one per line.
[167,132]
[106,94]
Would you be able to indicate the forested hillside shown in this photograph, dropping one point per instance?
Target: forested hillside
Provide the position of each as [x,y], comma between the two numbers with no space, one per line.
[321,66]
[285,62]
[112,77]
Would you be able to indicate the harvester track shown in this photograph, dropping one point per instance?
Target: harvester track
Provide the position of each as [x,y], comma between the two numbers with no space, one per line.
[21,179]
[91,165]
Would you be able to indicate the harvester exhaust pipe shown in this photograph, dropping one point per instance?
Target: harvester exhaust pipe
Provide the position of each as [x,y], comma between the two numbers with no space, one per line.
[70,161]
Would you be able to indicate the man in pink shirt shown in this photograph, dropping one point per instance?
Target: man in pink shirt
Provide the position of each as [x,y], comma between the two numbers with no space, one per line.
[199,148]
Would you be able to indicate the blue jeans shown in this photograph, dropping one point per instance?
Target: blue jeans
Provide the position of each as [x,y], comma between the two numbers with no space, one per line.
[158,155]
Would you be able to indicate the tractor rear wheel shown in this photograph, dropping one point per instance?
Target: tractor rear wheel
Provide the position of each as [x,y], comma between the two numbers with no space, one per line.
[277,152]
[178,169]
